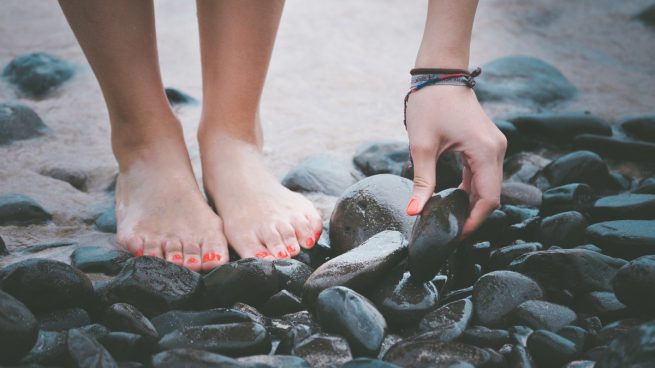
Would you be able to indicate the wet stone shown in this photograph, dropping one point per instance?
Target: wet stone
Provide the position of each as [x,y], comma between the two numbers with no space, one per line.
[99,259]
[570,197]
[502,257]
[38,73]
[253,313]
[368,207]
[177,97]
[323,350]
[617,148]
[345,312]
[564,229]
[577,335]
[560,126]
[17,209]
[576,167]
[520,194]
[627,239]
[275,361]
[127,346]
[497,293]
[185,357]
[634,349]
[542,315]
[282,303]
[615,329]
[294,336]
[46,285]
[63,319]
[458,294]
[50,349]
[551,350]
[382,157]
[624,207]
[424,353]
[324,173]
[435,234]
[634,281]
[18,122]
[368,363]
[232,339]
[603,304]
[359,268]
[125,317]
[85,351]
[522,166]
[520,357]
[18,329]
[252,281]
[646,186]
[106,221]
[640,127]
[485,338]
[292,274]
[153,285]
[493,229]
[448,322]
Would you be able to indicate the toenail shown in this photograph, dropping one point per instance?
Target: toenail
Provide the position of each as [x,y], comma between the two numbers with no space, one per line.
[139,253]
[177,257]
[290,249]
[282,254]
[192,260]
[310,242]
[262,254]
[211,256]
[317,235]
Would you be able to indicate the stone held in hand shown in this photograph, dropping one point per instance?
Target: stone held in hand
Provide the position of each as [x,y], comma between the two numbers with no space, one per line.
[436,232]
[18,209]
[345,312]
[18,122]
[18,329]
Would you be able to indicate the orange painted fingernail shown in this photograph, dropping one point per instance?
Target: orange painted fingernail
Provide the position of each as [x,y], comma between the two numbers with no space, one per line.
[139,253]
[282,254]
[211,256]
[192,260]
[290,249]
[317,235]
[310,242]
[412,207]
[262,254]
[177,257]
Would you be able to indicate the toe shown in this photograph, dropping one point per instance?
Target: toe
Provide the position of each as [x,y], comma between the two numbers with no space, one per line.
[249,246]
[270,236]
[134,244]
[174,252]
[304,232]
[316,224]
[191,252]
[288,235]
[214,253]
[153,247]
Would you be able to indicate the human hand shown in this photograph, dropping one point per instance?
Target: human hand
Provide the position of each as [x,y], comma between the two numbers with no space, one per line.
[449,118]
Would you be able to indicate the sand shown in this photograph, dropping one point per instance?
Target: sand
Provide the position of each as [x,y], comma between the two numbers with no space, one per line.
[337,79]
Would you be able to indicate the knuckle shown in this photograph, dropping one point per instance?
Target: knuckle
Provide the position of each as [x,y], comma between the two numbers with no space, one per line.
[422,182]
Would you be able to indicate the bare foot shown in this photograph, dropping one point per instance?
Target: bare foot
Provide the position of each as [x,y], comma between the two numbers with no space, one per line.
[261,218]
[160,210]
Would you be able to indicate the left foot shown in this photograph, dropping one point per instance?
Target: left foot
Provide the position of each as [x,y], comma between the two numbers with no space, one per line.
[261,218]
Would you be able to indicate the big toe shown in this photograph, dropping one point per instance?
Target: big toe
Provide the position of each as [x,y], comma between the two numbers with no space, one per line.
[214,253]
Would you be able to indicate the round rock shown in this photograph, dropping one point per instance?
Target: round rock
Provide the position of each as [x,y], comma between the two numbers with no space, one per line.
[18,122]
[634,281]
[18,329]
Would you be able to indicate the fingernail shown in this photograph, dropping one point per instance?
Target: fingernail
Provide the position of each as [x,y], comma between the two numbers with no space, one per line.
[412,207]
[139,253]
[317,235]
[177,257]
[192,260]
[282,254]
[290,249]
[310,242]
[262,254]
[211,256]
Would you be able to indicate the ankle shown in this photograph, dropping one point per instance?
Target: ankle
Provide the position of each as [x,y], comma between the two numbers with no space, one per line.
[212,131]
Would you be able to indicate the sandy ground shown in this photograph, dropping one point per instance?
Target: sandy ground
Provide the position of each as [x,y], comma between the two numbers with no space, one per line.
[338,75]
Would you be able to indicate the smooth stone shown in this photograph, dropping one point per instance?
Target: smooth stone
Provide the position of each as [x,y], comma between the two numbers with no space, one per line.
[95,330]
[646,186]
[576,167]
[634,281]
[382,157]
[177,319]
[323,350]
[578,335]
[432,353]
[551,350]
[502,257]
[519,334]
[564,229]
[185,357]
[570,197]
[99,259]
[85,351]
[17,209]
[127,346]
[232,339]
[483,337]
[603,304]
[520,194]
[497,293]
[252,281]
[624,207]
[76,178]
[519,356]
[493,229]
[50,349]
[347,313]
[368,363]
[274,361]
[634,349]
[614,330]
[3,248]
[359,268]
[38,73]
[177,97]
[253,313]
[639,127]
[153,285]
[46,285]
[18,122]
[616,148]
[63,319]
[18,329]
[320,253]
[106,221]
[627,239]
[573,270]
[519,213]
[323,173]
[458,294]
[522,166]
[523,80]
[402,301]
[294,336]
[368,207]
[542,315]
[580,364]
[292,274]
[282,303]
[447,323]
[125,317]
[436,232]
[560,126]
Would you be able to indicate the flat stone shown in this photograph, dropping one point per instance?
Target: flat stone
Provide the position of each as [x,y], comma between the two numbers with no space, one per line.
[542,315]
[523,80]
[382,157]
[603,304]
[185,357]
[560,126]
[345,312]
[252,281]
[564,229]
[177,319]
[106,221]
[125,317]
[274,361]
[46,285]
[627,239]
[634,349]
[323,350]
[177,97]
[634,281]
[576,167]
[570,197]
[425,353]
[497,293]
[617,148]
[232,339]
[368,207]
[153,285]
[17,209]
[520,194]
[323,173]
[640,127]
[483,337]
[85,351]
[359,268]
[436,232]
[550,349]
[63,319]
[18,122]
[448,322]
[501,258]
[38,73]
[624,207]
[99,259]
[18,329]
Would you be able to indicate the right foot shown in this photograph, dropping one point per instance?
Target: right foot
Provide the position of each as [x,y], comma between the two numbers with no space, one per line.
[160,211]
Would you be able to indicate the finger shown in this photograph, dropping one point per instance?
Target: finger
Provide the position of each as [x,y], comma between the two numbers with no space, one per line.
[425,176]
[465,185]
[486,179]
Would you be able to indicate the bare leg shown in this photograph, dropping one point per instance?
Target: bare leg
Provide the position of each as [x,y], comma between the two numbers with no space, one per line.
[262,218]
[159,208]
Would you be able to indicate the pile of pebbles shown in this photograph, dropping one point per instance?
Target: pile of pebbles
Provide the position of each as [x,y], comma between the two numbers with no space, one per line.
[561,275]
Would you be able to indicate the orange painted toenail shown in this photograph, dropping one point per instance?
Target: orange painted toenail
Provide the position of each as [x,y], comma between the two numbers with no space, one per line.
[192,260]
[310,242]
[211,256]
[317,235]
[290,249]
[282,254]
[177,257]
[262,254]
[153,254]
[139,253]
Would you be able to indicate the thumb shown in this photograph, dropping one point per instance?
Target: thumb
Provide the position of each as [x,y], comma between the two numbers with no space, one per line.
[425,180]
